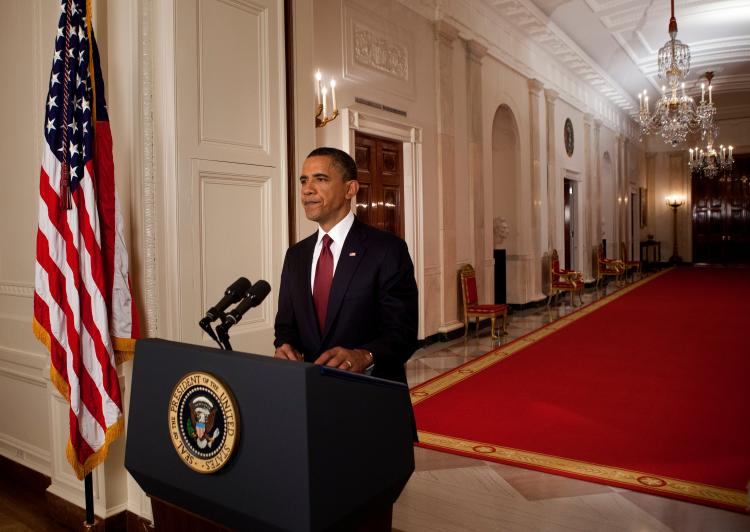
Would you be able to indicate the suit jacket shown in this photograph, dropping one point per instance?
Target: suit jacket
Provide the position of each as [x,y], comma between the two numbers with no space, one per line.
[372,304]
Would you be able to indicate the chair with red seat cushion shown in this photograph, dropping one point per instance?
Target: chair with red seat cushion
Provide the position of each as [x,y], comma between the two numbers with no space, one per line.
[562,280]
[629,264]
[472,307]
[608,267]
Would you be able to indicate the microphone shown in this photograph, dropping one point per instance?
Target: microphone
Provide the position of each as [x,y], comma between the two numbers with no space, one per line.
[253,297]
[234,293]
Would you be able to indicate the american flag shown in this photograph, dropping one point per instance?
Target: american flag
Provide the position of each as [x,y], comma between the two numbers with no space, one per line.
[83,306]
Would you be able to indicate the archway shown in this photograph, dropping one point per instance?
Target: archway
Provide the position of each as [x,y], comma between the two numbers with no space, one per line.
[506,170]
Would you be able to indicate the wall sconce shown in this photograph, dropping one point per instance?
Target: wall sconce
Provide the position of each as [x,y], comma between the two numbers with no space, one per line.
[321,106]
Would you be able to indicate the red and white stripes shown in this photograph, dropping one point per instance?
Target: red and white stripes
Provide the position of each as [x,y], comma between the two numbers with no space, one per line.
[71,312]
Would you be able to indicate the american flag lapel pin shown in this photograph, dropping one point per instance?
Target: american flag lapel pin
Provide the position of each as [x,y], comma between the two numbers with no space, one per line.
[353,254]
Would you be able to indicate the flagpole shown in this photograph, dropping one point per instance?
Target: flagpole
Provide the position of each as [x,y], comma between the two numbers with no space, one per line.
[89,494]
[88,488]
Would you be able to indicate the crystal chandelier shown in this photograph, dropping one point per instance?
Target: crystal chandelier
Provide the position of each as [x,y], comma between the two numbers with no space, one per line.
[711,162]
[675,114]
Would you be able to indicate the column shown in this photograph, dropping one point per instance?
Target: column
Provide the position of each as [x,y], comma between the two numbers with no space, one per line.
[474,54]
[552,178]
[445,35]
[538,238]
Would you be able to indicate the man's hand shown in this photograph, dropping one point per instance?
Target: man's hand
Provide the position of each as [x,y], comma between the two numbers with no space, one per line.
[287,352]
[356,360]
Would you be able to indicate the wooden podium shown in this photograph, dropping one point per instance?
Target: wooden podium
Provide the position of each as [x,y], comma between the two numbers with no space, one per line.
[315,448]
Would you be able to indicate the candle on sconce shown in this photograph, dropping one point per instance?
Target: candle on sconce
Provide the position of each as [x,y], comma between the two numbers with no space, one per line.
[691,155]
[640,101]
[646,104]
[730,151]
[333,95]
[703,92]
[683,89]
[318,77]
[710,98]
[324,92]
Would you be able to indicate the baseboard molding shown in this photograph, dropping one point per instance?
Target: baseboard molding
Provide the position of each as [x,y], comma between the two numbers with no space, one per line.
[25,455]
[73,516]
[443,336]
[62,511]
[516,307]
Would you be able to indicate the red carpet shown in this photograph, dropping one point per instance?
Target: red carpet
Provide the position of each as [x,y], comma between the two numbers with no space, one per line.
[646,389]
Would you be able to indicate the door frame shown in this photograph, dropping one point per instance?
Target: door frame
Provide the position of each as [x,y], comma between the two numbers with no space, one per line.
[360,118]
[574,178]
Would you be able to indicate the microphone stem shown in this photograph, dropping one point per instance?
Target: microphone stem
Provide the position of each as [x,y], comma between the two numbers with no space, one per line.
[223,332]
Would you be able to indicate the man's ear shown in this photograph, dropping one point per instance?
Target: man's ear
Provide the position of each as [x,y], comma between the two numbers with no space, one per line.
[352,186]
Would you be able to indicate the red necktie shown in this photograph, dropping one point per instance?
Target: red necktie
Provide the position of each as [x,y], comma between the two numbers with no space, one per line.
[322,282]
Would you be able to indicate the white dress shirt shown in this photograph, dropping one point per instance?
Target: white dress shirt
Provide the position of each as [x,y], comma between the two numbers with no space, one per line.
[338,233]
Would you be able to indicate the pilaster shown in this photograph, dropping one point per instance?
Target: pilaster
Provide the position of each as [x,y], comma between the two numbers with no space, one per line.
[537,186]
[553,187]
[445,36]
[588,207]
[597,182]
[475,51]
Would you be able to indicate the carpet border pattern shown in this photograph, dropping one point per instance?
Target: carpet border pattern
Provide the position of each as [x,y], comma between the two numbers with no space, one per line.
[637,480]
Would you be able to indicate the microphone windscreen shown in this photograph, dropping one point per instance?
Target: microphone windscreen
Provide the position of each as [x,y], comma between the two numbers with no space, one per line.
[238,289]
[260,290]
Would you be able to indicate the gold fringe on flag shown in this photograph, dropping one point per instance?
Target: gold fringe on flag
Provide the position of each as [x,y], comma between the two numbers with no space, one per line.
[113,432]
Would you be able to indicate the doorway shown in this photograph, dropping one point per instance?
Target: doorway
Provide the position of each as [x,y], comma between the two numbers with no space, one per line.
[569,217]
[380,172]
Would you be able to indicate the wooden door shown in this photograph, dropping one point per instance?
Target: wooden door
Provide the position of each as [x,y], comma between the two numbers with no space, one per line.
[380,172]
[721,216]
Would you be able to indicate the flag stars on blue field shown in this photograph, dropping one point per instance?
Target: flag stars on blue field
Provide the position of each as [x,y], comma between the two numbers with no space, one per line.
[66,124]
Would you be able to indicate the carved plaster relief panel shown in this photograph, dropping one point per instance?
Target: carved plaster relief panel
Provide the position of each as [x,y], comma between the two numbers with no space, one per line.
[378,52]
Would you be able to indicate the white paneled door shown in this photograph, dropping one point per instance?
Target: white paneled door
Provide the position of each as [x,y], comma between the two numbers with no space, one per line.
[231,214]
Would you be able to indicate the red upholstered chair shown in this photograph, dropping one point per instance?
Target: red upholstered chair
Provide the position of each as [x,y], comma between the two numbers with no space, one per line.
[629,264]
[562,280]
[472,307]
[608,267]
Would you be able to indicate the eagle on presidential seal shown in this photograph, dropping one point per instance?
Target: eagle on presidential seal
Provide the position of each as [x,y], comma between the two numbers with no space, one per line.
[202,415]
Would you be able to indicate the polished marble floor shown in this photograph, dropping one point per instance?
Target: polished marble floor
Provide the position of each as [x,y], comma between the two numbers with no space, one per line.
[454,493]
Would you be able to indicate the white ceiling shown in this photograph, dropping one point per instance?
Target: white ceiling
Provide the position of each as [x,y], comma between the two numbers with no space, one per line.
[623,37]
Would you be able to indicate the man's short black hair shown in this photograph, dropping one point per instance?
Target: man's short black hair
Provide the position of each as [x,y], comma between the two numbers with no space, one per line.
[340,159]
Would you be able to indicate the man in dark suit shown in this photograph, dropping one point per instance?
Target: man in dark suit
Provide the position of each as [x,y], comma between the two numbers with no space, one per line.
[348,298]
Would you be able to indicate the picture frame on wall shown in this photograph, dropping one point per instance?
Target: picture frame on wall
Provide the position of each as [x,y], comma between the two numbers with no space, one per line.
[643,197]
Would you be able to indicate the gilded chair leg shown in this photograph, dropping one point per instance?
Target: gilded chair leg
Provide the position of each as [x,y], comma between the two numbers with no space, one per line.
[466,326]
[492,325]
[505,323]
